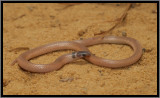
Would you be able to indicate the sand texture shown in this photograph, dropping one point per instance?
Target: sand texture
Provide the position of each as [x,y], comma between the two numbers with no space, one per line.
[26,26]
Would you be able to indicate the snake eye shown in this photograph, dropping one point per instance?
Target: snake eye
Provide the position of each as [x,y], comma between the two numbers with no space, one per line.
[83,54]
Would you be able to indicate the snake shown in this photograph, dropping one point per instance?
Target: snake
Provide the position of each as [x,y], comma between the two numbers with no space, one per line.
[80,52]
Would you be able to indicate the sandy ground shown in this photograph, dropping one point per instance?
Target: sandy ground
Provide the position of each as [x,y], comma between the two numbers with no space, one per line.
[26,26]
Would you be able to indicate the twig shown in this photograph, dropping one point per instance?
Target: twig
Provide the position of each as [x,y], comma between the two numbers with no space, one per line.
[19,49]
[119,20]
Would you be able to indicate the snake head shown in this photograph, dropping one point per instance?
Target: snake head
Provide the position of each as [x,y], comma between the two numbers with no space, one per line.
[81,54]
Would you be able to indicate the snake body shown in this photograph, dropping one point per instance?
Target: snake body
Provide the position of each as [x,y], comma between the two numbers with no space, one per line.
[82,52]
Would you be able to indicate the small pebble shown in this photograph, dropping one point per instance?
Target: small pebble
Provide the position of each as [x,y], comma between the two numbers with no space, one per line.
[124,34]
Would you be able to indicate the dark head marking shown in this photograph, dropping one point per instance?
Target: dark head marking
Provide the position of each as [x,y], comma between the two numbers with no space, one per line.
[81,54]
